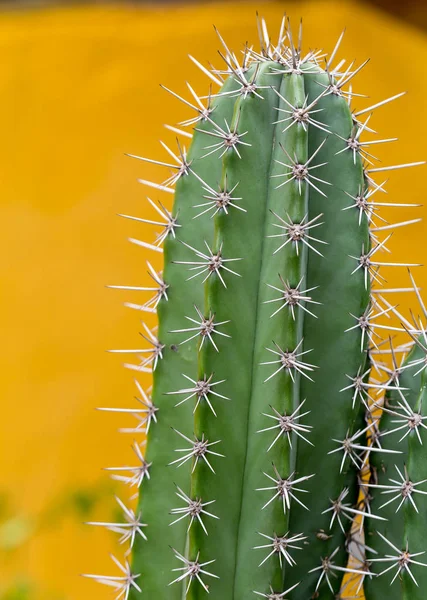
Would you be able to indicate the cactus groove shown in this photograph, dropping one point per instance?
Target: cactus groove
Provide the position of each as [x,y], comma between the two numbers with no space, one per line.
[264,411]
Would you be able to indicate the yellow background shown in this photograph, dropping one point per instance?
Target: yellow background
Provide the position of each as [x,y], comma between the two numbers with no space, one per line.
[79,87]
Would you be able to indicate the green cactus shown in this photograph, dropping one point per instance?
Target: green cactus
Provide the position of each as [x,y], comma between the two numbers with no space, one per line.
[400,482]
[255,428]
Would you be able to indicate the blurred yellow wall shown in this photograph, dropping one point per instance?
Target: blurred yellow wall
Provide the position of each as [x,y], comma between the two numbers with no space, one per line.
[79,87]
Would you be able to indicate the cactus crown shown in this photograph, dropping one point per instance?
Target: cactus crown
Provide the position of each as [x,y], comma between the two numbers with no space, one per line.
[262,413]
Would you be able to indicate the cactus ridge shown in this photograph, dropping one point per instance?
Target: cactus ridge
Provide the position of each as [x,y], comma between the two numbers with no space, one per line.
[263,416]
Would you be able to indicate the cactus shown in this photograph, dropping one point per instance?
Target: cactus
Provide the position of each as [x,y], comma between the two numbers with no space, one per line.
[400,482]
[256,429]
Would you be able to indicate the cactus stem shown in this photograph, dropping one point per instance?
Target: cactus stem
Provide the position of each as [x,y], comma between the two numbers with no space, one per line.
[199,449]
[279,545]
[287,424]
[128,530]
[193,569]
[312,105]
[276,595]
[194,509]
[284,489]
[402,560]
[289,362]
[212,263]
[297,232]
[205,329]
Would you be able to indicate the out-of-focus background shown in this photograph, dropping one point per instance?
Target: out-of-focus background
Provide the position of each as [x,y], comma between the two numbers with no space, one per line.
[79,87]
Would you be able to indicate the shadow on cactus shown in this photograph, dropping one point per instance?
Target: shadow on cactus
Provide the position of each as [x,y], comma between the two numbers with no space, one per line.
[263,414]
